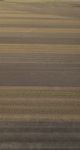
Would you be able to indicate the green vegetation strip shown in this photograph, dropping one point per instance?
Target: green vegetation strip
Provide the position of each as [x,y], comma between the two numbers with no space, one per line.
[16,93]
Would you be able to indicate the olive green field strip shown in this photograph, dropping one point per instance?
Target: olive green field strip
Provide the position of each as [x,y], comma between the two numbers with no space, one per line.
[39,104]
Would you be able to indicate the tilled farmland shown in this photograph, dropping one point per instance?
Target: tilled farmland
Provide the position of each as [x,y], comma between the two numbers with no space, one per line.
[39,76]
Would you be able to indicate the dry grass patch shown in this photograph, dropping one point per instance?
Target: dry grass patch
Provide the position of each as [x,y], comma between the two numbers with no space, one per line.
[40,48]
